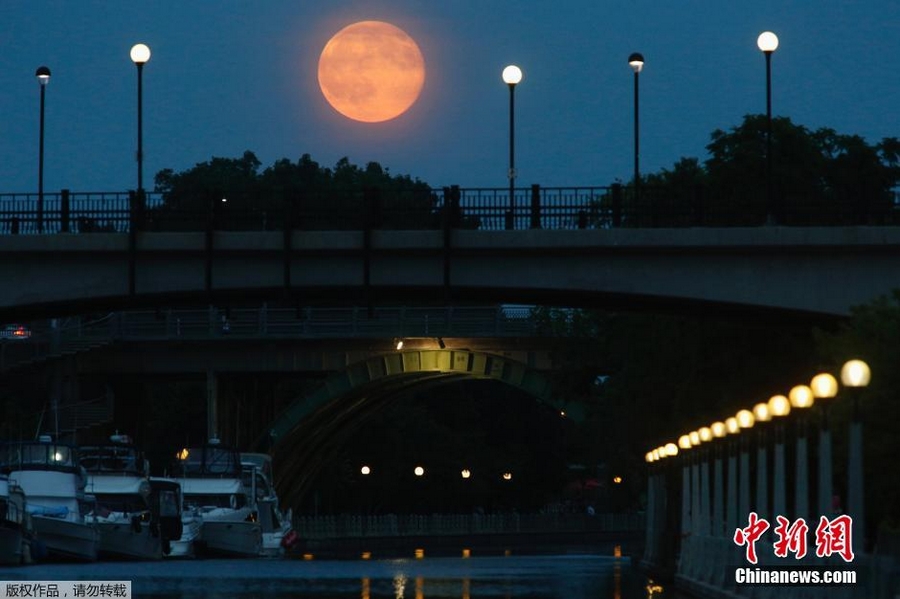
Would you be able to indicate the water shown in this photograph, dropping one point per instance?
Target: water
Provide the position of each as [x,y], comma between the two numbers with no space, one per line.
[521,577]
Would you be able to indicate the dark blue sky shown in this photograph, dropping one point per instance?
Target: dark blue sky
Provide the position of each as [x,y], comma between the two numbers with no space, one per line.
[233,75]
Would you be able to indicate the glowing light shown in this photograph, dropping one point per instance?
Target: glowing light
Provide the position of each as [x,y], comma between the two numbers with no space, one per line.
[365,470]
[855,373]
[731,425]
[767,41]
[140,53]
[779,405]
[745,419]
[183,454]
[718,429]
[617,480]
[465,473]
[801,396]
[684,442]
[512,75]
[671,449]
[761,412]
[694,436]
[705,434]
[419,471]
[824,386]
[419,553]
[507,476]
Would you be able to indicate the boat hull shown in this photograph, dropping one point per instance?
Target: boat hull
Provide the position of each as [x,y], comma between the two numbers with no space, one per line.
[12,545]
[66,539]
[237,539]
[119,540]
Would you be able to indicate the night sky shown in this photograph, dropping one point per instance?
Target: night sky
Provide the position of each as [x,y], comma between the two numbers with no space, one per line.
[232,75]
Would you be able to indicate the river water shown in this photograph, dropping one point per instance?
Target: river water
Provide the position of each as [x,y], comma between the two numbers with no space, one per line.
[578,576]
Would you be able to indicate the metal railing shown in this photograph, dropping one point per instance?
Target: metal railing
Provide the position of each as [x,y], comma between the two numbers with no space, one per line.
[535,207]
[78,334]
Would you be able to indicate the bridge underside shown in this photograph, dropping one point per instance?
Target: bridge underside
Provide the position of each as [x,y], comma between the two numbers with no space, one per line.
[315,426]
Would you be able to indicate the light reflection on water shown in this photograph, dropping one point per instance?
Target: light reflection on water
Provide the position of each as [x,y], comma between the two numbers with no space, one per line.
[579,576]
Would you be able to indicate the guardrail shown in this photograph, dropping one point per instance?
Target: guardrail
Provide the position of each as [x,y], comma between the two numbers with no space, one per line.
[69,336]
[590,207]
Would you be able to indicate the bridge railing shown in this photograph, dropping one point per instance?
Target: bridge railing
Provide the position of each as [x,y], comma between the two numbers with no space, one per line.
[53,338]
[534,207]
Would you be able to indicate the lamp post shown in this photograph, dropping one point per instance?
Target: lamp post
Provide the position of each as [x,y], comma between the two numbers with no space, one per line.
[636,62]
[761,413]
[745,420]
[43,77]
[768,42]
[801,397]
[824,386]
[779,407]
[512,75]
[684,444]
[718,516]
[855,375]
[731,494]
[140,54]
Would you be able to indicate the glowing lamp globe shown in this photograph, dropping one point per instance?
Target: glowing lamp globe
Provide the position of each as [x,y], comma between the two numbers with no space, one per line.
[767,41]
[745,419]
[779,405]
[636,61]
[731,425]
[140,54]
[761,412]
[705,434]
[512,75]
[684,442]
[671,449]
[855,373]
[824,386]
[801,396]
[718,429]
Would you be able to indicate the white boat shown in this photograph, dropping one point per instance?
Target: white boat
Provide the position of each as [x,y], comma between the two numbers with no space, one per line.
[53,481]
[118,477]
[16,531]
[277,531]
[211,480]
[180,527]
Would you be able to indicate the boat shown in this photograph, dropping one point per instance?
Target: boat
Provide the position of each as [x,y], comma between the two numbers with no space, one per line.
[180,526]
[118,478]
[212,482]
[16,529]
[277,531]
[53,481]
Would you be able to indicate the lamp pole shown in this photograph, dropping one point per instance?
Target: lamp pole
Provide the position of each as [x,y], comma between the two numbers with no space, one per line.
[761,413]
[636,62]
[768,42]
[855,375]
[824,387]
[801,397]
[512,75]
[43,77]
[779,406]
[745,420]
[140,54]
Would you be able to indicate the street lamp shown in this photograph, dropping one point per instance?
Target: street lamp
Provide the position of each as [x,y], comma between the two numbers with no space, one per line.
[718,514]
[636,62]
[43,77]
[761,413]
[855,375]
[801,398]
[512,75]
[779,407]
[731,502]
[140,54]
[824,386]
[768,42]
[745,420]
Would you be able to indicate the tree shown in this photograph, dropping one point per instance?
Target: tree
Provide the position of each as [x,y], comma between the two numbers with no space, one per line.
[819,178]
[232,193]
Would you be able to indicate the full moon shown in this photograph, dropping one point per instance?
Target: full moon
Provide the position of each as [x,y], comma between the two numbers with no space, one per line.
[371,71]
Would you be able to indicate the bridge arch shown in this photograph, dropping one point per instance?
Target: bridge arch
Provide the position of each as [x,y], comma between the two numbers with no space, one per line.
[318,423]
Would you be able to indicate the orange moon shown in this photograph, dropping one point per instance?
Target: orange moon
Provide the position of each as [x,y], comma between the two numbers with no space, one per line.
[371,71]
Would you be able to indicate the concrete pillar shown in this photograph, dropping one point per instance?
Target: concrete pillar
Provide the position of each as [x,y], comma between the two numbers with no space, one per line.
[779,499]
[744,482]
[212,404]
[801,475]
[703,527]
[696,517]
[685,497]
[651,534]
[825,476]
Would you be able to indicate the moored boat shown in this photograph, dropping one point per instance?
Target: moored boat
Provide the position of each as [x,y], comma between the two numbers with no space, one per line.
[53,481]
[277,530]
[16,530]
[118,477]
[211,480]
